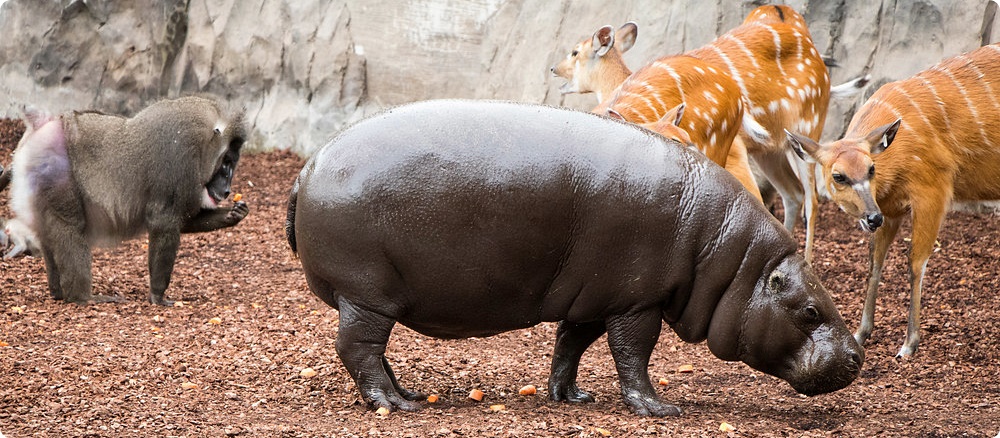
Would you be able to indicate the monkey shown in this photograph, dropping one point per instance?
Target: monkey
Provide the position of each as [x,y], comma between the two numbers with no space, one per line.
[82,179]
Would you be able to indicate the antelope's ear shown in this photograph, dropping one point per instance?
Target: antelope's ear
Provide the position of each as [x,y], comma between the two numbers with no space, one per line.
[880,138]
[604,40]
[615,115]
[803,146]
[674,114]
[627,35]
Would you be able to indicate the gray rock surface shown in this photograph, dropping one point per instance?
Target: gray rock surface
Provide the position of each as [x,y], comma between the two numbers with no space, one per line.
[305,68]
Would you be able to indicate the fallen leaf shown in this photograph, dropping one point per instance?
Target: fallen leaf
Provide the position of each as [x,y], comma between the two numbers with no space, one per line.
[4,344]
[215,321]
[726,427]
[382,411]
[433,398]
[17,309]
[308,372]
[664,382]
[603,432]
[189,385]
[527,390]
[498,408]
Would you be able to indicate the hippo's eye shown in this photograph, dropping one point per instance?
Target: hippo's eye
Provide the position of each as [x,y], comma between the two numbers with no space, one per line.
[812,313]
[839,178]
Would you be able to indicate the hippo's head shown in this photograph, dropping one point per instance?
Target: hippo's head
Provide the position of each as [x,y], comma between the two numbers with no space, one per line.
[791,329]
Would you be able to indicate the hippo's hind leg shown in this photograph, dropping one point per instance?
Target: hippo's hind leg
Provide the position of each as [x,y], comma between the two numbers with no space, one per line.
[361,342]
[631,338]
[571,341]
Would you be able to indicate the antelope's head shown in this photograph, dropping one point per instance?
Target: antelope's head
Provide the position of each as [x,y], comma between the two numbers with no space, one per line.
[596,64]
[849,169]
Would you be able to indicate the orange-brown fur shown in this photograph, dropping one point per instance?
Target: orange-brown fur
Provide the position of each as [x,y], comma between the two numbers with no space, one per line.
[713,113]
[787,86]
[595,64]
[947,148]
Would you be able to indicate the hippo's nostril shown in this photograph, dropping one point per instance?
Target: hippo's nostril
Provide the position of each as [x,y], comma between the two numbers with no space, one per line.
[874,220]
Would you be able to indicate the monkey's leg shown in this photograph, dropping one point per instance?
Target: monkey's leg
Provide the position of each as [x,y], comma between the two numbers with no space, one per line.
[209,220]
[68,262]
[163,243]
[52,272]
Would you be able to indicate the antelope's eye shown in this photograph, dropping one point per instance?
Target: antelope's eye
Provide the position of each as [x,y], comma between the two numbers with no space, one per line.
[871,171]
[839,178]
[574,53]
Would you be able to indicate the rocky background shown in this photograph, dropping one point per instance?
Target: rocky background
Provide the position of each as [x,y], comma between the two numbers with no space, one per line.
[305,68]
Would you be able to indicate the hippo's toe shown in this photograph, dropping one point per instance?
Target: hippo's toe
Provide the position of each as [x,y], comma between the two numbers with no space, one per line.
[650,406]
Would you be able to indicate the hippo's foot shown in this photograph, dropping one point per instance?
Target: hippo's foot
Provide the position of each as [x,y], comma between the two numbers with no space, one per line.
[570,393]
[650,406]
[391,401]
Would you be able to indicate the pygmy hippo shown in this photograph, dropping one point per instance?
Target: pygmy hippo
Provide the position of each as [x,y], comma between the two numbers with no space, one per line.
[471,218]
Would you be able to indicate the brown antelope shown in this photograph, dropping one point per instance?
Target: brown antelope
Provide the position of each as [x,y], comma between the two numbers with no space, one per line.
[943,125]
[712,98]
[595,65]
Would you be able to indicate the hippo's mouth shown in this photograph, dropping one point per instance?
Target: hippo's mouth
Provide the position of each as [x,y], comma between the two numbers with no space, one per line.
[822,376]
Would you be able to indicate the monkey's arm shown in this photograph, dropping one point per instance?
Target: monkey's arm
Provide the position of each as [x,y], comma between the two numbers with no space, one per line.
[209,220]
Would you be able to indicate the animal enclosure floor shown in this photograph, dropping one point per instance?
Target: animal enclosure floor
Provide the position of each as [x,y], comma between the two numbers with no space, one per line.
[230,361]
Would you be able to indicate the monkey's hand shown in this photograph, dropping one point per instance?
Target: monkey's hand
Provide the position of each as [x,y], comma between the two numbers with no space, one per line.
[209,220]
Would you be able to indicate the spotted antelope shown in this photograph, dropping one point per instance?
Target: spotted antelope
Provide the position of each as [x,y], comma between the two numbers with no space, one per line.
[714,108]
[914,147]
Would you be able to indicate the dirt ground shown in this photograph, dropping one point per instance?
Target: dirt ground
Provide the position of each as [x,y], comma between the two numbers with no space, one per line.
[230,361]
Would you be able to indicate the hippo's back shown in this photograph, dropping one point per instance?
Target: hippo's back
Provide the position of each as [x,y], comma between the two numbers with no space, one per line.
[466,218]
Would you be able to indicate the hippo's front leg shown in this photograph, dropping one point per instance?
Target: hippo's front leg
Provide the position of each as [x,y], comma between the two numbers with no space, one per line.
[571,341]
[361,341]
[632,338]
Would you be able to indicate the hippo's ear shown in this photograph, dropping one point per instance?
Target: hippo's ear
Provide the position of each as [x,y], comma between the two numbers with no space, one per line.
[776,282]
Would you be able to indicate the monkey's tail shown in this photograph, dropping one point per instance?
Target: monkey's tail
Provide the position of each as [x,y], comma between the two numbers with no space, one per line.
[293,199]
[4,178]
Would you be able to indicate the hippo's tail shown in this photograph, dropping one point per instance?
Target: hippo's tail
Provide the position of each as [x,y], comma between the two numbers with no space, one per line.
[293,199]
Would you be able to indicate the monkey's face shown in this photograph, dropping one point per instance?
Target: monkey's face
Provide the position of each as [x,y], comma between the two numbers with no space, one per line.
[218,186]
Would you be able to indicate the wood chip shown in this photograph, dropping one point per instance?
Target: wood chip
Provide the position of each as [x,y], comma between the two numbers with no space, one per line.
[308,372]
[685,369]
[189,385]
[726,427]
[527,390]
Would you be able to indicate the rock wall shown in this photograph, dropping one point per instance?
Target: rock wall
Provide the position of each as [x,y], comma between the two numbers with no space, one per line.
[305,68]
